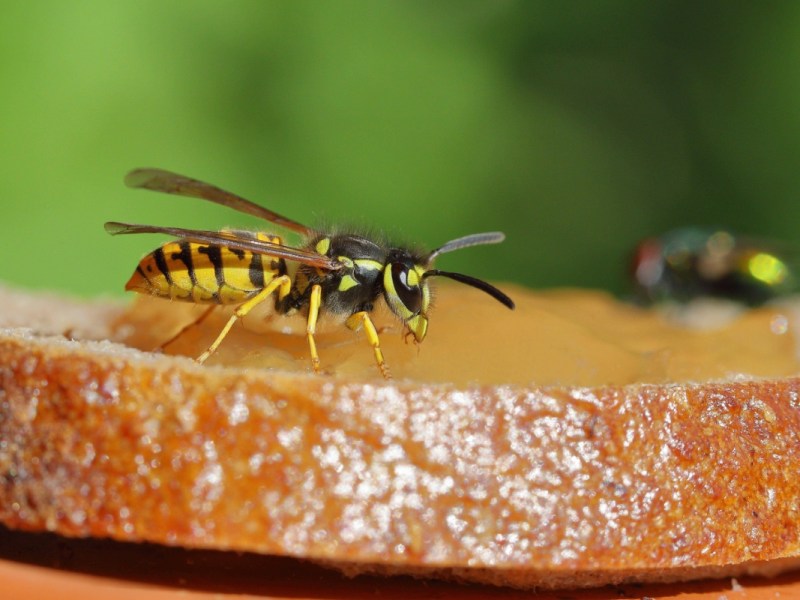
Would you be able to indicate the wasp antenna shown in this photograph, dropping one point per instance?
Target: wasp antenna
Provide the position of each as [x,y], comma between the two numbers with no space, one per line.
[476,239]
[476,283]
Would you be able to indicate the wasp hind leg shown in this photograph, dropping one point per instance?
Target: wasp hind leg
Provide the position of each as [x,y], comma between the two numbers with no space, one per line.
[185,328]
[282,283]
[361,319]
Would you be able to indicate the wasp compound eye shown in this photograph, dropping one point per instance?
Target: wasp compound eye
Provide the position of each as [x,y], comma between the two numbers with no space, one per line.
[409,292]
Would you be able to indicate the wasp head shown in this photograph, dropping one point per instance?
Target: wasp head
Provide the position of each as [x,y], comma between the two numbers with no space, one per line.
[405,281]
[406,291]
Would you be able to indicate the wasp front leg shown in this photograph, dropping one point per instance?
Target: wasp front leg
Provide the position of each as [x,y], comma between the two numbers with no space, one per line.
[361,319]
[314,302]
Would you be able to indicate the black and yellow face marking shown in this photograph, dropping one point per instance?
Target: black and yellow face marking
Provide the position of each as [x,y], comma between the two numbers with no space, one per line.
[340,274]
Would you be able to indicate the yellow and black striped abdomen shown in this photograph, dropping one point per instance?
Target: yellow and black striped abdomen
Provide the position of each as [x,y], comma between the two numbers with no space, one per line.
[205,273]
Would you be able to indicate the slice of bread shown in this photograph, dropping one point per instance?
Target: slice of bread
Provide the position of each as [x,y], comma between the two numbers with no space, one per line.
[462,467]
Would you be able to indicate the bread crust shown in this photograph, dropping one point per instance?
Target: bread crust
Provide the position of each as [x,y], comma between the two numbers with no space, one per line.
[525,486]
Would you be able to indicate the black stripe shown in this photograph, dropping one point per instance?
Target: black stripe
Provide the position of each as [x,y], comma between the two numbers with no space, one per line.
[185,256]
[256,271]
[161,263]
[214,254]
[141,272]
[239,253]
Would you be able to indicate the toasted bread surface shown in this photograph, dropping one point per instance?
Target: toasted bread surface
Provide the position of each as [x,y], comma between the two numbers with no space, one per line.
[520,484]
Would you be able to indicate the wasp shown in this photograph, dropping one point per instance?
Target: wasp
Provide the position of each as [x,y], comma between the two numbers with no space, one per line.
[695,262]
[342,274]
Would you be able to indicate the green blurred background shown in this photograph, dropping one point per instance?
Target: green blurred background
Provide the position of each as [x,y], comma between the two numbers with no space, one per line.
[575,127]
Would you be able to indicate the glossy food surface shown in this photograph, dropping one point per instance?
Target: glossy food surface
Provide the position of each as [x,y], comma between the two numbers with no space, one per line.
[568,337]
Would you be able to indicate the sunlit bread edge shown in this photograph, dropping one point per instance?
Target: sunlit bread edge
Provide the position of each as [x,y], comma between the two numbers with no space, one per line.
[522,486]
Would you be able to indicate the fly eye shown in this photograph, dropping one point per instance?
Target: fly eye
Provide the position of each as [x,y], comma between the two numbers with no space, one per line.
[410,295]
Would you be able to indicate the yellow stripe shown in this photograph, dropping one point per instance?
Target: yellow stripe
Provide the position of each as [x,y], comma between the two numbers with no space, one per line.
[369,264]
[393,299]
[181,287]
[347,283]
[323,246]
[346,261]
[266,237]
[237,270]
[204,275]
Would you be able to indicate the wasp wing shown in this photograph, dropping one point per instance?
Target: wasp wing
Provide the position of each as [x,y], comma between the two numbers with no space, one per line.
[160,180]
[231,240]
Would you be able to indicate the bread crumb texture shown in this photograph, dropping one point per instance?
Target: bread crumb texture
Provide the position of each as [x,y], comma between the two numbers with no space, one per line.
[525,485]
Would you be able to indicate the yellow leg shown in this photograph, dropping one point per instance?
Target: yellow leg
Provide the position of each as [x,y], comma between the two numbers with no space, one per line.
[283,283]
[186,328]
[361,319]
[313,312]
